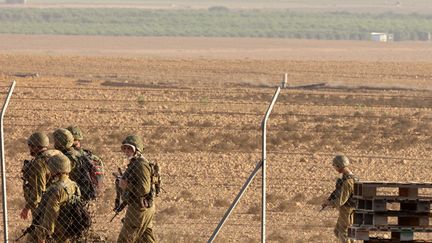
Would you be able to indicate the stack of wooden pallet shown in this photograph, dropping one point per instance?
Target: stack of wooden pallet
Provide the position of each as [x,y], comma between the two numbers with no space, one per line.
[395,210]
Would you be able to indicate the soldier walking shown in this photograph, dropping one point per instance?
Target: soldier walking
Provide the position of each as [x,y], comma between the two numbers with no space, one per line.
[35,173]
[342,198]
[138,191]
[97,176]
[97,162]
[60,192]
[82,168]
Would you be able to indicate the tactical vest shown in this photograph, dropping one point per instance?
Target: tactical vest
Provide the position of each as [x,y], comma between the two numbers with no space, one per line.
[336,193]
[81,173]
[28,168]
[155,182]
[351,201]
[155,178]
[74,216]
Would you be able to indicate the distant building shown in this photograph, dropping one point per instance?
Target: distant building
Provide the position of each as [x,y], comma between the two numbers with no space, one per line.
[424,36]
[380,37]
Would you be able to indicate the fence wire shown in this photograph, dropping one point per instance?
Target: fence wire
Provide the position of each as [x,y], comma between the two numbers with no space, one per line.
[63,192]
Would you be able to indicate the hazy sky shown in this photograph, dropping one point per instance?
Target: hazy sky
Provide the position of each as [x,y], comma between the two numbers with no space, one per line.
[398,6]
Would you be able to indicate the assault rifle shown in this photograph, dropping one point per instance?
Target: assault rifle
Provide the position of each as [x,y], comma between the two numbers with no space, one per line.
[26,231]
[119,204]
[25,169]
[118,210]
[335,194]
[35,220]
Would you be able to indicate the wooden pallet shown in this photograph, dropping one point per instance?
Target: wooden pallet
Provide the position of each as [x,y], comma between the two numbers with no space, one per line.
[380,240]
[388,208]
[398,234]
[383,205]
[401,191]
[391,219]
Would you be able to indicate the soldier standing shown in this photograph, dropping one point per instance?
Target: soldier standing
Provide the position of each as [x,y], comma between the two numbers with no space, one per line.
[97,175]
[35,173]
[60,192]
[136,183]
[81,166]
[97,162]
[342,198]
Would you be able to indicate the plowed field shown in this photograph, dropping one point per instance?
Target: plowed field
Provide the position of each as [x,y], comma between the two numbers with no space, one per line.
[200,117]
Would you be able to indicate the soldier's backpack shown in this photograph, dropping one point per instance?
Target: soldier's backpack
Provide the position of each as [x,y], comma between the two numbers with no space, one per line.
[82,175]
[74,218]
[97,173]
[336,193]
[156,180]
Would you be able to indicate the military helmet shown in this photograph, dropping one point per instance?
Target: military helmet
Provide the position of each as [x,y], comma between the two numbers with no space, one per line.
[340,161]
[38,139]
[135,141]
[76,132]
[52,152]
[63,139]
[59,163]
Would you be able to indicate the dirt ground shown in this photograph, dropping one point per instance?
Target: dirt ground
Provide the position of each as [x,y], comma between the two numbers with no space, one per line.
[198,103]
[217,48]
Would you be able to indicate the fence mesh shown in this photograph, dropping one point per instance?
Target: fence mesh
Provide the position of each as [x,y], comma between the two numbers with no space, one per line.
[205,141]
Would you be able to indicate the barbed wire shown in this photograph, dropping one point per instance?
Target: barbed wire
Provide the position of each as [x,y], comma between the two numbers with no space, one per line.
[262,90]
[227,113]
[279,185]
[229,128]
[219,102]
[238,71]
[276,152]
[230,223]
[170,180]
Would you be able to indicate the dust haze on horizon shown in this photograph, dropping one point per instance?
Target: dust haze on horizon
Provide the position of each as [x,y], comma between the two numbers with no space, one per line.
[361,6]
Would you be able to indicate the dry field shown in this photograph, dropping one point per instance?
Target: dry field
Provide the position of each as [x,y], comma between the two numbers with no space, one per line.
[200,117]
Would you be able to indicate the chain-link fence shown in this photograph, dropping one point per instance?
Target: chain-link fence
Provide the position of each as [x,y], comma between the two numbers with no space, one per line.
[205,142]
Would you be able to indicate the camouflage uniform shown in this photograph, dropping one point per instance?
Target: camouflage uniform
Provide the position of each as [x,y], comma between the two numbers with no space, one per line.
[35,176]
[138,221]
[97,176]
[343,200]
[97,162]
[63,141]
[345,205]
[58,194]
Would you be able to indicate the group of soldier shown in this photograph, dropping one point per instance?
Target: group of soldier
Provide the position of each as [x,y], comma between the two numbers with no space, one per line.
[55,177]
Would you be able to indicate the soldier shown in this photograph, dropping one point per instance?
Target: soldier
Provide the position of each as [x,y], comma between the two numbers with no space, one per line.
[136,183]
[35,173]
[97,175]
[97,162]
[58,194]
[342,198]
[81,166]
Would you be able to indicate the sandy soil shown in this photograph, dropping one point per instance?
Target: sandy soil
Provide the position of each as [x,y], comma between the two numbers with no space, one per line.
[200,117]
[226,48]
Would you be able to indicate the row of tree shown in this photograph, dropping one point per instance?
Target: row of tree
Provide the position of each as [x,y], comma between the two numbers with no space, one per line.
[214,22]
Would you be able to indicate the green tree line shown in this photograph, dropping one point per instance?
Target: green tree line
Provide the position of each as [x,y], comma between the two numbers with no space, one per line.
[213,22]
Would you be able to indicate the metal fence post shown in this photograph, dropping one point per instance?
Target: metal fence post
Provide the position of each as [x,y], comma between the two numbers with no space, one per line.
[236,200]
[264,158]
[261,164]
[3,164]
